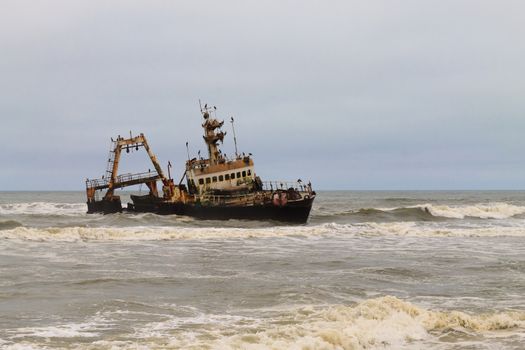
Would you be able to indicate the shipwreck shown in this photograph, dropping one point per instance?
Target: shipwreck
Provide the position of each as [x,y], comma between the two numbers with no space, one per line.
[217,187]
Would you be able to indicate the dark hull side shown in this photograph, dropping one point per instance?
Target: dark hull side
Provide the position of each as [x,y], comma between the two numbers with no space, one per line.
[293,212]
[104,206]
[296,212]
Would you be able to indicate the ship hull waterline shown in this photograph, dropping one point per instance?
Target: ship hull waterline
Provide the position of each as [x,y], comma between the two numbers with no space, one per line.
[292,212]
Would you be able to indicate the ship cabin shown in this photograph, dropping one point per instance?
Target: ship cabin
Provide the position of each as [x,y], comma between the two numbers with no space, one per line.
[218,174]
[226,176]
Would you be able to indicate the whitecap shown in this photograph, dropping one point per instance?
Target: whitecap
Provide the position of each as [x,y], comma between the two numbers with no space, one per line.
[482,211]
[149,233]
[379,323]
[43,208]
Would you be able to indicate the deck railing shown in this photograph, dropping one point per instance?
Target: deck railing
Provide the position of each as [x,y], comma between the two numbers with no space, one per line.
[124,178]
[259,196]
[240,199]
[285,185]
[136,177]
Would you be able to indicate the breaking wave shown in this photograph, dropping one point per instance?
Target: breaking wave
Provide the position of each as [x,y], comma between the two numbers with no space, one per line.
[432,212]
[43,208]
[376,323]
[142,233]
[482,211]
[385,322]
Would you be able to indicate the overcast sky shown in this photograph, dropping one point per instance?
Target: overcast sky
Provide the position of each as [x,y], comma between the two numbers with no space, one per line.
[350,94]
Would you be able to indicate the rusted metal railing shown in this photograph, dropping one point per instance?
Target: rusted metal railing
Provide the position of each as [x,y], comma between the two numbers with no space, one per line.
[237,199]
[122,179]
[264,195]
[136,177]
[285,185]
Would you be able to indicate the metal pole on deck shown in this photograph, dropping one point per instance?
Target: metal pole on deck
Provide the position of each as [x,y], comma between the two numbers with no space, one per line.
[234,138]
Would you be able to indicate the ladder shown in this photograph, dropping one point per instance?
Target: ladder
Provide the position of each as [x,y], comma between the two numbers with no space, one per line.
[111,160]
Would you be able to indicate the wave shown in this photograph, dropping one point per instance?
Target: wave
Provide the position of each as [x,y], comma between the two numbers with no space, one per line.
[43,208]
[391,214]
[482,211]
[379,323]
[143,233]
[430,212]
[415,229]
[375,323]
[9,224]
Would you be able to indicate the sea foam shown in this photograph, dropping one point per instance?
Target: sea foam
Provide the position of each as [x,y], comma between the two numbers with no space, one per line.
[380,323]
[482,211]
[385,322]
[43,208]
[155,233]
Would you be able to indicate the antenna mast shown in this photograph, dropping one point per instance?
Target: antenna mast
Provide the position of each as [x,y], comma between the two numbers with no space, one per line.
[234,138]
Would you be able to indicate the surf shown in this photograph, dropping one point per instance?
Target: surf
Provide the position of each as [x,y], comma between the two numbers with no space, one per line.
[376,323]
[156,233]
[426,212]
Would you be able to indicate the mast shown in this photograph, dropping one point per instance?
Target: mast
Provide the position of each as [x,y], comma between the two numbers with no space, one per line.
[211,136]
[234,138]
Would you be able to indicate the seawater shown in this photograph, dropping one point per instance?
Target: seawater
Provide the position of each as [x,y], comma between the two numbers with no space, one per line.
[370,270]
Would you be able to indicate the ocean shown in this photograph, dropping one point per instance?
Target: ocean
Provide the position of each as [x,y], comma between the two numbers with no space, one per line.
[370,270]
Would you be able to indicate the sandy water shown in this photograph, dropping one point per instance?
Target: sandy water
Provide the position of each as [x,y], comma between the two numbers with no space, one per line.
[371,270]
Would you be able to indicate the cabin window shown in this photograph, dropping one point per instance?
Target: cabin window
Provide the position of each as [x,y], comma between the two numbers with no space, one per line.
[249,173]
[208,180]
[221,178]
[232,176]
[238,174]
[214,179]
[227,177]
[201,181]
[244,173]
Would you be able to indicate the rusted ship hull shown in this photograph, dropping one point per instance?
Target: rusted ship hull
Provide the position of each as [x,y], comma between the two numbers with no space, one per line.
[104,206]
[292,212]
